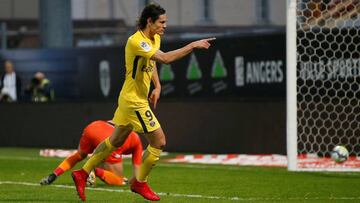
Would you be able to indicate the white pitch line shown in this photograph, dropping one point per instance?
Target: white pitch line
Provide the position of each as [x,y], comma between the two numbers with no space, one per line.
[122,191]
[191,195]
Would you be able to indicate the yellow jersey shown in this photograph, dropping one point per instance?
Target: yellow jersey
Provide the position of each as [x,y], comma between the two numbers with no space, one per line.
[139,69]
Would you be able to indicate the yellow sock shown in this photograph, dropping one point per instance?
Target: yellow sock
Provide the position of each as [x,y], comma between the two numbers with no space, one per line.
[102,151]
[150,157]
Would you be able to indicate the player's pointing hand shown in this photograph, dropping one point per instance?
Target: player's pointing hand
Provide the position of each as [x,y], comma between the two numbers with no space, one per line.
[203,43]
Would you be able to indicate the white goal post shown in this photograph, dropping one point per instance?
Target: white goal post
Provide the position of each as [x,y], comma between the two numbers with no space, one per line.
[323,83]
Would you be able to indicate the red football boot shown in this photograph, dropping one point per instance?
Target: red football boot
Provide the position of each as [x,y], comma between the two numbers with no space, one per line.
[80,177]
[144,190]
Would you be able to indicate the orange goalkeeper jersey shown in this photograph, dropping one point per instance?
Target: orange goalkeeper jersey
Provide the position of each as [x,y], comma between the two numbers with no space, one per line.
[98,131]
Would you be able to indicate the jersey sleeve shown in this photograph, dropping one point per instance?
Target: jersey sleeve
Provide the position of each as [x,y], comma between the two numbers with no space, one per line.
[141,48]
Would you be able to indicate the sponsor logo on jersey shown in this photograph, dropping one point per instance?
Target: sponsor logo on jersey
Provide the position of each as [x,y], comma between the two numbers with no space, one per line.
[152,123]
[145,46]
[147,69]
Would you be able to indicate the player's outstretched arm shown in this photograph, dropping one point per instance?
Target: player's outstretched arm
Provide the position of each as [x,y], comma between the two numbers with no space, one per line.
[170,56]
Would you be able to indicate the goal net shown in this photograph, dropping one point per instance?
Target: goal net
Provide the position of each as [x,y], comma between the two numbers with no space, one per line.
[323,83]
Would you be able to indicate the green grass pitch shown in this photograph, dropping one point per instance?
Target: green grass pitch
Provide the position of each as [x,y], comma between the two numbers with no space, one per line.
[21,170]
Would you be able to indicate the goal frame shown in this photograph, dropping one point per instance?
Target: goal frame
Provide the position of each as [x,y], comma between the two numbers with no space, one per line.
[291,112]
[291,94]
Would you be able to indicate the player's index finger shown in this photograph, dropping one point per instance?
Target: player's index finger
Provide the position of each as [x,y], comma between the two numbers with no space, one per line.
[211,39]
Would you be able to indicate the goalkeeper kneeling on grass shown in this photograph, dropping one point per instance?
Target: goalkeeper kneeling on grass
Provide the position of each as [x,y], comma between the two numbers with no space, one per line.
[111,169]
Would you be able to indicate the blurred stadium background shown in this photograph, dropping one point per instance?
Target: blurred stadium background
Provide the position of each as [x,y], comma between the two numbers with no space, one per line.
[79,45]
[228,100]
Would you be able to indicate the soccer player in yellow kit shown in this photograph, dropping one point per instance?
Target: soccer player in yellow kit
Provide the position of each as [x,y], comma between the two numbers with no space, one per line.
[142,51]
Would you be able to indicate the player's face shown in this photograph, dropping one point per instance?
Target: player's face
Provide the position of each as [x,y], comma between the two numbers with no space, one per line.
[158,27]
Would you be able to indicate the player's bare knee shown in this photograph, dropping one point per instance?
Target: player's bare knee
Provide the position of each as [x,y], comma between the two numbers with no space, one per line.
[117,142]
[161,144]
[158,144]
[118,138]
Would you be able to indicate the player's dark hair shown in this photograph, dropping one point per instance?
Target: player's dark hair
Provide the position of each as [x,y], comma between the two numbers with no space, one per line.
[152,11]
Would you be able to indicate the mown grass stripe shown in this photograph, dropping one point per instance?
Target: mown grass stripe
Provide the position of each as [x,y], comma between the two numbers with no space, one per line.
[190,195]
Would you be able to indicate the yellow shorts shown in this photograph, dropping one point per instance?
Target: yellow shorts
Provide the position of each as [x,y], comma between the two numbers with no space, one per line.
[140,119]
